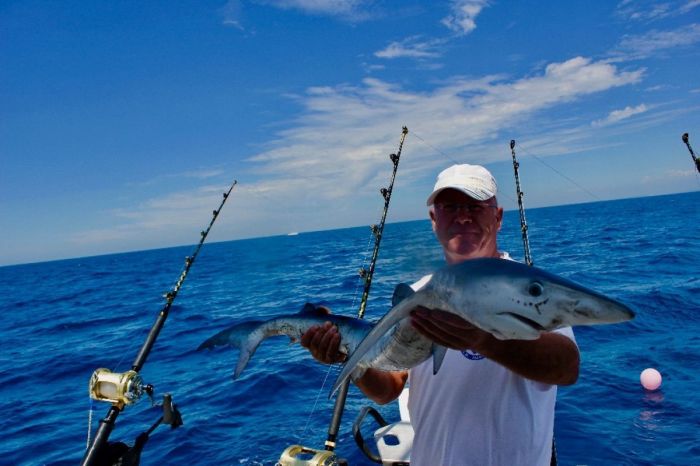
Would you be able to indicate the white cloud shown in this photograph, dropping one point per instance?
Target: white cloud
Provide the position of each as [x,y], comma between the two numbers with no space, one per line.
[354,126]
[173,212]
[689,5]
[641,46]
[652,10]
[325,169]
[342,8]
[669,175]
[463,15]
[618,115]
[460,20]
[231,13]
[411,47]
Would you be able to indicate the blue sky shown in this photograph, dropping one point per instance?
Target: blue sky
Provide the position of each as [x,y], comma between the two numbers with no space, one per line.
[121,123]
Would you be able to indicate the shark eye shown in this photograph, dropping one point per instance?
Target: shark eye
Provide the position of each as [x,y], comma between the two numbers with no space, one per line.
[535,289]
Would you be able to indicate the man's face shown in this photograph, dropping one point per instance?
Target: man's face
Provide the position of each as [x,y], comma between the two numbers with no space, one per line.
[466,228]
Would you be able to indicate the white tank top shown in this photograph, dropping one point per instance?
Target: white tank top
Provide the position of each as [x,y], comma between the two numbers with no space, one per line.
[476,412]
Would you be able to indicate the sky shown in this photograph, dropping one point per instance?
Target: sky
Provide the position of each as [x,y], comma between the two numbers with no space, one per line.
[122,123]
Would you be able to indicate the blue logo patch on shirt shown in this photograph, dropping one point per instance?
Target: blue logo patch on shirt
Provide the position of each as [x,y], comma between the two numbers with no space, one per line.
[473,355]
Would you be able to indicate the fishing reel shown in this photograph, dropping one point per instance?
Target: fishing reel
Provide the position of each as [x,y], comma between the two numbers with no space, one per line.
[122,388]
[296,455]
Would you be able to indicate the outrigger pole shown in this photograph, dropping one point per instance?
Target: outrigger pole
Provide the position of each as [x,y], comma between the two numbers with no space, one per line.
[521,208]
[690,149]
[127,388]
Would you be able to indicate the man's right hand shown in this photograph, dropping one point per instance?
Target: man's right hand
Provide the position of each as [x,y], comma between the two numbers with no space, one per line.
[323,342]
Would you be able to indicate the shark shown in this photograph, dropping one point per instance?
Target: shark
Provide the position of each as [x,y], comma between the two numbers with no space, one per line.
[508,299]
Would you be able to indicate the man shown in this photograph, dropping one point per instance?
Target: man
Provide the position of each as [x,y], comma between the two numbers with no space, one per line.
[492,402]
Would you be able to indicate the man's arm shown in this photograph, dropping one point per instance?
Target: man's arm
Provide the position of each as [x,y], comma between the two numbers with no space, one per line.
[552,358]
[381,387]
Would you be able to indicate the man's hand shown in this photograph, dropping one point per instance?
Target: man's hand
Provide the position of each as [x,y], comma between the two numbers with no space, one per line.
[323,342]
[449,330]
[552,358]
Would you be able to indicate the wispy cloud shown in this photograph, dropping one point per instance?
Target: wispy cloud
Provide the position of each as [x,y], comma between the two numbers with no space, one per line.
[633,47]
[331,160]
[462,18]
[173,212]
[669,175]
[349,9]
[651,10]
[411,47]
[618,115]
[349,126]
[353,10]
[231,13]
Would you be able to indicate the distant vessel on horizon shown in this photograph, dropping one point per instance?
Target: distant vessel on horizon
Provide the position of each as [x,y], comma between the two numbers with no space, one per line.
[293,233]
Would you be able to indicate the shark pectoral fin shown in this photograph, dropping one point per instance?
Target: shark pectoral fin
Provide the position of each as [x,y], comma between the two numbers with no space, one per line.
[401,292]
[439,352]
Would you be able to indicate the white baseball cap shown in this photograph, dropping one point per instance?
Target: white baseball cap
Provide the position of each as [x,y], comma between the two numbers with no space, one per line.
[473,180]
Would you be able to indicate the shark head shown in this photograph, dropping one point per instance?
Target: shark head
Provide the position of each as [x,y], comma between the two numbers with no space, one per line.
[514,301]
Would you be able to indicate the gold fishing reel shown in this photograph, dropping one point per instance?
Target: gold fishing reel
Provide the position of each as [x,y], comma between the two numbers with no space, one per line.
[296,455]
[123,388]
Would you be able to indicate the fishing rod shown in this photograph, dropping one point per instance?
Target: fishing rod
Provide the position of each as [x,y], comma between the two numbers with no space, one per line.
[690,149]
[327,457]
[122,389]
[526,247]
[366,275]
[521,208]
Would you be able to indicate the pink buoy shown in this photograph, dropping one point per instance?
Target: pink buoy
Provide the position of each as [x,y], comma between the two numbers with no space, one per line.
[650,378]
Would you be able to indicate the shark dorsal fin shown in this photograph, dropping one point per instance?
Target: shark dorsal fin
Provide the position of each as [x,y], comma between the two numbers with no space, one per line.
[401,292]
[314,310]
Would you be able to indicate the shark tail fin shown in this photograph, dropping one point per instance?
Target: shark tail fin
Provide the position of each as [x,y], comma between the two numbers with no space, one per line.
[245,337]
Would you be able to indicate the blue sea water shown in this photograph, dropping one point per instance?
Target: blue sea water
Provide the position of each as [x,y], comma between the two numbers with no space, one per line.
[62,320]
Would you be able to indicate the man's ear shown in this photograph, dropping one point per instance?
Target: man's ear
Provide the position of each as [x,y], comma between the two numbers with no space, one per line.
[432,217]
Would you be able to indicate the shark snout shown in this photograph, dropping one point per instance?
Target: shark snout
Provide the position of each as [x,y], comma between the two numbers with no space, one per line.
[592,307]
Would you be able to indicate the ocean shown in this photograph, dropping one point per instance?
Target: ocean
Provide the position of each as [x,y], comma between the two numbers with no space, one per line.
[62,320]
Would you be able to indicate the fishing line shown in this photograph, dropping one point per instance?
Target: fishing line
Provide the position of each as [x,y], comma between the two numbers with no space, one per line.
[313,408]
[502,194]
[435,148]
[89,432]
[524,149]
